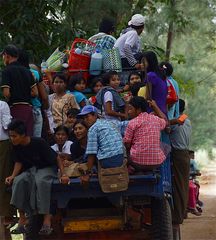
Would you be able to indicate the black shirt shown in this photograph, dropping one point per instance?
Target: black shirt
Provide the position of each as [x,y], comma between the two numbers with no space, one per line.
[77,152]
[37,153]
[20,81]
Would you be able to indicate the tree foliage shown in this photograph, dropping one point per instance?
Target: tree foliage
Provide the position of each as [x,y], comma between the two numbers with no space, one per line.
[40,26]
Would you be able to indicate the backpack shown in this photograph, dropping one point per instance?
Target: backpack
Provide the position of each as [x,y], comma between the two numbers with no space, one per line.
[172,96]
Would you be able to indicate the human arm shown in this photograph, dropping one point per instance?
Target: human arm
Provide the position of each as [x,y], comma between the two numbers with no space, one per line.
[43,95]
[17,169]
[90,163]
[157,110]
[6,92]
[5,115]
[34,91]
[64,179]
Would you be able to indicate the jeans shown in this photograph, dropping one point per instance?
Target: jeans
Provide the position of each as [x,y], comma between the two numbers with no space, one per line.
[38,122]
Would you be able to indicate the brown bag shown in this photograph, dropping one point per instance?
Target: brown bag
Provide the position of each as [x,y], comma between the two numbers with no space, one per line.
[75,169]
[113,179]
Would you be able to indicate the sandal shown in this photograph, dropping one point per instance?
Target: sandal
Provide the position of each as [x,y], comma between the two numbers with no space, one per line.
[45,230]
[20,229]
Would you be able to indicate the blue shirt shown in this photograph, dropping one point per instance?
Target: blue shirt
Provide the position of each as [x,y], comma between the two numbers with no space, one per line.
[36,101]
[104,140]
[173,112]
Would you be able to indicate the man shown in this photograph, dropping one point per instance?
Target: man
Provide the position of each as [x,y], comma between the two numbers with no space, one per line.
[18,85]
[180,141]
[129,43]
[104,141]
[34,170]
[104,39]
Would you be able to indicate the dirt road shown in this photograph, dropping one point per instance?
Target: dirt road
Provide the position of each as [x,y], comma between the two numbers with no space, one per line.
[204,227]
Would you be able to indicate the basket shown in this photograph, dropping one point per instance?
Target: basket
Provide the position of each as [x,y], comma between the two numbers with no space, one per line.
[79,63]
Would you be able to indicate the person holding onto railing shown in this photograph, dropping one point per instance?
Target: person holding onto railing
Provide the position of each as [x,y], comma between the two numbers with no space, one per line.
[142,135]
[34,170]
[129,43]
[104,142]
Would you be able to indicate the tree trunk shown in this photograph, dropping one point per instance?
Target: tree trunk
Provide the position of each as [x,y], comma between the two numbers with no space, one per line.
[170,33]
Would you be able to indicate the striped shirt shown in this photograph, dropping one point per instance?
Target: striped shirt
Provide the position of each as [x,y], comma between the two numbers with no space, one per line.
[143,134]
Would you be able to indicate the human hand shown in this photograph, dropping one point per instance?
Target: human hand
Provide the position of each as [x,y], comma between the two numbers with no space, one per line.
[152,104]
[9,180]
[85,180]
[64,179]
[66,163]
[138,66]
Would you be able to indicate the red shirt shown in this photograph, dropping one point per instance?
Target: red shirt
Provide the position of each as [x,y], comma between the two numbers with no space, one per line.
[143,133]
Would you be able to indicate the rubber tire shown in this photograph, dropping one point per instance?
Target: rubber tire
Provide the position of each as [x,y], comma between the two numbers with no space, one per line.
[161,219]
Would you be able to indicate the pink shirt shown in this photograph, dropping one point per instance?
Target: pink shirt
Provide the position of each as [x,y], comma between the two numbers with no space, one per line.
[143,133]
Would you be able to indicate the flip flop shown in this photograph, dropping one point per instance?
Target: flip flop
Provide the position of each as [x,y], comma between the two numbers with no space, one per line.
[45,230]
[20,229]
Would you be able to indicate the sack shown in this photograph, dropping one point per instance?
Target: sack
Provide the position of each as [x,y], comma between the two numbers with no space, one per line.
[75,169]
[54,62]
[171,95]
[113,179]
[112,60]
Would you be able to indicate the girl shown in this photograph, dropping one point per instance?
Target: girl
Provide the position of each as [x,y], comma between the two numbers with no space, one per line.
[62,143]
[108,97]
[76,86]
[96,86]
[156,79]
[133,78]
[60,101]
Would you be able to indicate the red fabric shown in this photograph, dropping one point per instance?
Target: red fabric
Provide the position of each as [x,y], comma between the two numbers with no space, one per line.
[143,133]
[24,113]
[171,95]
[193,193]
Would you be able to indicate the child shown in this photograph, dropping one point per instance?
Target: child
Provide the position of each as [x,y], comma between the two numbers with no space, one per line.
[96,86]
[62,143]
[71,119]
[112,104]
[76,86]
[133,78]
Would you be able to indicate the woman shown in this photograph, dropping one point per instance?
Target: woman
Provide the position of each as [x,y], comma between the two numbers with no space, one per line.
[78,148]
[156,79]
[60,101]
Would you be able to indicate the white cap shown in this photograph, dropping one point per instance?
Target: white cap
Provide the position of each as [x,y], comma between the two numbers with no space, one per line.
[136,20]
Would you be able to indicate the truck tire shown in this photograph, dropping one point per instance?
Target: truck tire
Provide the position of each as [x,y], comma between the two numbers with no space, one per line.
[161,219]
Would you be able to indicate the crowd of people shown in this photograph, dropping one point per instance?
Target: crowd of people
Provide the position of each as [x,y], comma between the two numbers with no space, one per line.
[50,128]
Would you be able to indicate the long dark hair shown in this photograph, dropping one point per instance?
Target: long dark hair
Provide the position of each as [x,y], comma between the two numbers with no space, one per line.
[153,65]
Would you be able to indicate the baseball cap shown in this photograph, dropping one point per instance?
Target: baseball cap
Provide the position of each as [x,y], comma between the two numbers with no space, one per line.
[11,50]
[87,109]
[136,20]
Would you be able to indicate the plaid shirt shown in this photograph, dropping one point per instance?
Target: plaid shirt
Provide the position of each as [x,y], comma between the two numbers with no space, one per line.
[104,140]
[143,133]
[105,42]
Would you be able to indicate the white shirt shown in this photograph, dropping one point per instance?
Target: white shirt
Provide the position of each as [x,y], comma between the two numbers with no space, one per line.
[5,119]
[130,38]
[65,148]
[108,97]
